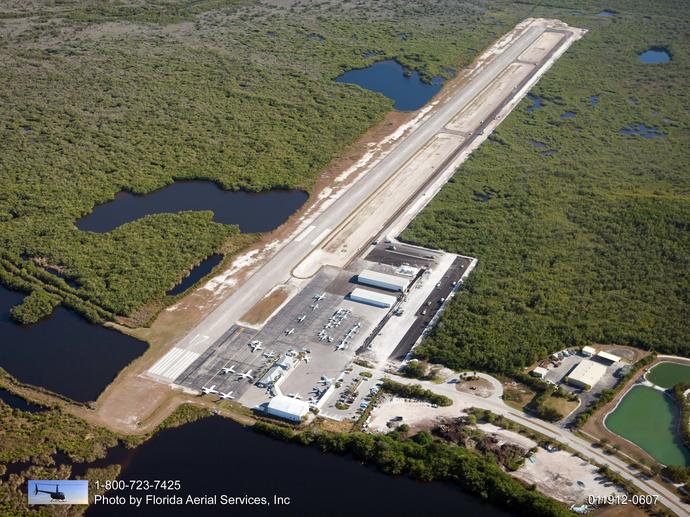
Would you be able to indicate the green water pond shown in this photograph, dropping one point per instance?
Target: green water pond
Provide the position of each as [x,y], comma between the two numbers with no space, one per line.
[649,418]
[668,375]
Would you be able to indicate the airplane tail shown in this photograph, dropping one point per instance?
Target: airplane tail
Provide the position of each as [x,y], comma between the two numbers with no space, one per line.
[36,489]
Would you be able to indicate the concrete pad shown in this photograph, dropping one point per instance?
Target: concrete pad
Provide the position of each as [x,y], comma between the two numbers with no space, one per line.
[540,48]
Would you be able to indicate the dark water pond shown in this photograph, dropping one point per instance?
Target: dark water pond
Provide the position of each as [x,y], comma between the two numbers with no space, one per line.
[593,100]
[537,103]
[407,91]
[216,456]
[16,402]
[537,144]
[606,13]
[200,271]
[642,130]
[568,114]
[655,56]
[253,212]
[63,353]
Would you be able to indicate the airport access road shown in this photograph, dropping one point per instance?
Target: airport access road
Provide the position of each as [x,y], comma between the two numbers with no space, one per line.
[278,268]
[494,404]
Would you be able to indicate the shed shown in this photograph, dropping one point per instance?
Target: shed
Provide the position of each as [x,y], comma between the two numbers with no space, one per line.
[539,372]
[588,351]
[611,358]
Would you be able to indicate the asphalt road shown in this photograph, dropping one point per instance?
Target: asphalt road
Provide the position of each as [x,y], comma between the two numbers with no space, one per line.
[278,268]
[496,405]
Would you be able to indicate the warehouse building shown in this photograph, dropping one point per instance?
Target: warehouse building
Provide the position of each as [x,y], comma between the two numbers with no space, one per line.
[586,374]
[287,408]
[372,298]
[382,280]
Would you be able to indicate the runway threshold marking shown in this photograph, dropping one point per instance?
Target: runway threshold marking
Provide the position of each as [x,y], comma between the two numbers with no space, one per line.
[321,237]
[173,363]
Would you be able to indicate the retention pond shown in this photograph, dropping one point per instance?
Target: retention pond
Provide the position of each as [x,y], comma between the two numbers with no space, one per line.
[650,419]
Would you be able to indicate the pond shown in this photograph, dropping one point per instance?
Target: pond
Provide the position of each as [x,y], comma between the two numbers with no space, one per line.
[655,55]
[197,272]
[252,211]
[607,13]
[537,103]
[568,115]
[63,353]
[217,456]
[593,100]
[668,374]
[642,130]
[19,403]
[650,419]
[407,91]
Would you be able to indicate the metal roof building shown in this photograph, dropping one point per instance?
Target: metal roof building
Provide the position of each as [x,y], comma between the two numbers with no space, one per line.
[287,407]
[588,351]
[372,298]
[612,358]
[586,374]
[382,280]
[539,372]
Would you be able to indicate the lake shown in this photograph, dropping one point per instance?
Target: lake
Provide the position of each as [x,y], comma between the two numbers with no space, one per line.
[252,211]
[218,456]
[17,402]
[650,418]
[63,353]
[655,55]
[668,374]
[407,91]
[197,272]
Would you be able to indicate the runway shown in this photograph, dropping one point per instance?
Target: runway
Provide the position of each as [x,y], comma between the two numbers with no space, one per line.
[334,237]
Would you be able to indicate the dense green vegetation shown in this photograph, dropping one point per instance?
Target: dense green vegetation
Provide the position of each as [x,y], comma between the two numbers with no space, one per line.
[591,243]
[102,97]
[414,391]
[425,458]
[682,401]
[36,306]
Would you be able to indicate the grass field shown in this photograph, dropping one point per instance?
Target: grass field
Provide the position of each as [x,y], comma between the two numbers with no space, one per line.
[102,97]
[591,243]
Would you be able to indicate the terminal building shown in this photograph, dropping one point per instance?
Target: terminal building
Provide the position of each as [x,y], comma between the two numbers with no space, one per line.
[372,298]
[287,407]
[382,280]
[586,374]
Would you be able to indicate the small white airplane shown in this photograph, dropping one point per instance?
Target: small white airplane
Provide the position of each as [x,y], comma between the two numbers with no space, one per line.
[302,318]
[320,297]
[208,391]
[290,353]
[295,396]
[226,396]
[326,380]
[315,306]
[269,355]
[289,331]
[228,370]
[255,345]
[316,391]
[341,346]
[246,375]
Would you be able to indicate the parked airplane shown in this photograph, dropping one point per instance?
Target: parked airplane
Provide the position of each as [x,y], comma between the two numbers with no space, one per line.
[255,345]
[326,380]
[306,360]
[320,297]
[54,495]
[315,306]
[228,370]
[269,355]
[290,353]
[208,391]
[227,396]
[289,331]
[246,375]
[341,346]
[302,318]
[316,391]
[295,396]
